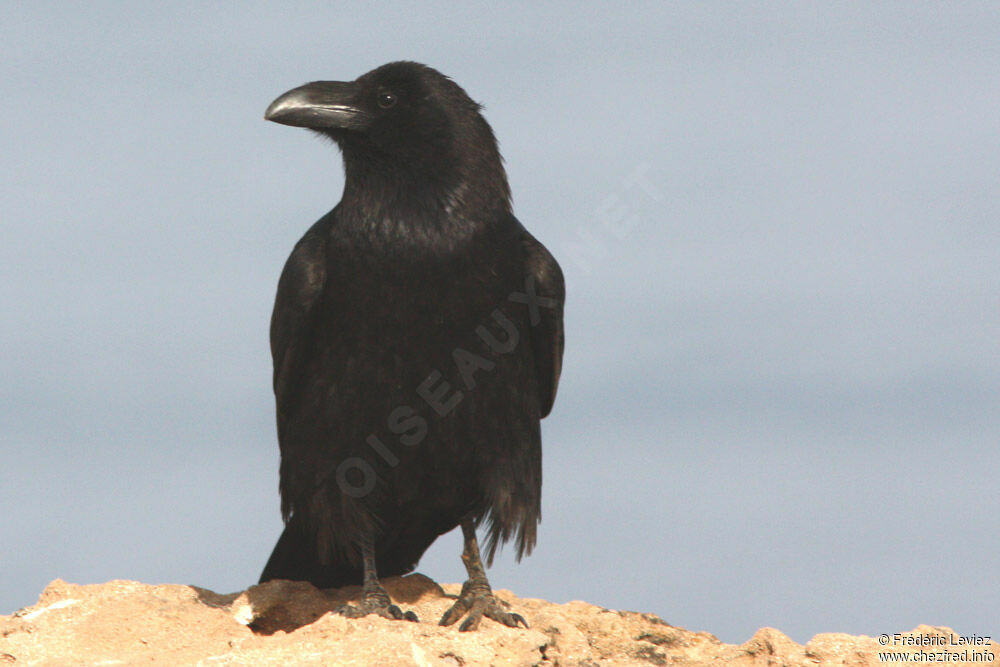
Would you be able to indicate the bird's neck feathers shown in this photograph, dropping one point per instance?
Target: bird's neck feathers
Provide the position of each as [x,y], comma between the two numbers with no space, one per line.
[464,182]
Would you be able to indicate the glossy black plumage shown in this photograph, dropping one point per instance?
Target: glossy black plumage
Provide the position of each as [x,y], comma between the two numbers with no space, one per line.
[417,336]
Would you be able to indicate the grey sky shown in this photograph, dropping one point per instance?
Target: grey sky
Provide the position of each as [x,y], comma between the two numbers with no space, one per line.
[779,403]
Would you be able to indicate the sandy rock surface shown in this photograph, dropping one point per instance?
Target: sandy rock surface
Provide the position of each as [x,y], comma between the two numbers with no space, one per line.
[290,623]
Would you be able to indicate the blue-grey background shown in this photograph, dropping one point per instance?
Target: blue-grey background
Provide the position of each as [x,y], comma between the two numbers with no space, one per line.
[779,227]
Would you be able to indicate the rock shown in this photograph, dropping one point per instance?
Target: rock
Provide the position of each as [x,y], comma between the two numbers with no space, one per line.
[285,622]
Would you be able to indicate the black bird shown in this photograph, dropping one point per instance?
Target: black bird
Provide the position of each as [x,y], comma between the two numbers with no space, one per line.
[417,339]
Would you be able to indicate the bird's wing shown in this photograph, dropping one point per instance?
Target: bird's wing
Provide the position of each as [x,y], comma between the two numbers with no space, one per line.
[301,284]
[546,279]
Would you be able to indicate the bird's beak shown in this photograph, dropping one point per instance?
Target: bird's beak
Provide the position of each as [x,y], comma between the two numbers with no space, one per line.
[321,105]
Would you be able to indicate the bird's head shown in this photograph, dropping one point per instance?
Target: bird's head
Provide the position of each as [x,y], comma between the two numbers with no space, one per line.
[402,121]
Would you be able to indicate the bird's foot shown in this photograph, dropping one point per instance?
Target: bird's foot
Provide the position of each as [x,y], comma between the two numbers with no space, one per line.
[478,601]
[376,602]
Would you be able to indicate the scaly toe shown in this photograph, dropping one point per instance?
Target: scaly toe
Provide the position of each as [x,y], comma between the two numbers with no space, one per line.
[455,612]
[378,607]
[478,606]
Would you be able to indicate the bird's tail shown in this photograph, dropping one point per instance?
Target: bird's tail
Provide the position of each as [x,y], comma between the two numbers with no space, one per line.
[296,557]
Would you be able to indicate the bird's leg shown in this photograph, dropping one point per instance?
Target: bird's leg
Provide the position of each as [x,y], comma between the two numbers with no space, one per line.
[477,597]
[374,598]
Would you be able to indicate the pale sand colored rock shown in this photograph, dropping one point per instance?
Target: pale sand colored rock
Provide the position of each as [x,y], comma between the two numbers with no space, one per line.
[290,623]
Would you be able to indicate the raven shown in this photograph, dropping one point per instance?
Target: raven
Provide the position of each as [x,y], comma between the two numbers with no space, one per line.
[417,339]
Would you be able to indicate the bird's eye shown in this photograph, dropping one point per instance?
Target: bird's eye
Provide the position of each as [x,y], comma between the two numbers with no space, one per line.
[386,100]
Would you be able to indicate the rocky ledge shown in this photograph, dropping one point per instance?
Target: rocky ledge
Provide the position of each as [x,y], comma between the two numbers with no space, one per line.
[290,623]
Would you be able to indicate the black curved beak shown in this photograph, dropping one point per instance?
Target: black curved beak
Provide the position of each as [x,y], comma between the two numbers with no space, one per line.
[320,105]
